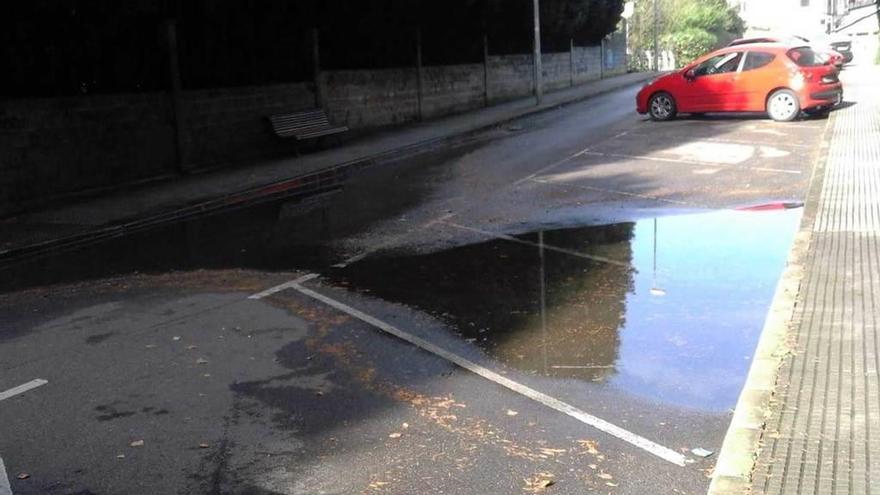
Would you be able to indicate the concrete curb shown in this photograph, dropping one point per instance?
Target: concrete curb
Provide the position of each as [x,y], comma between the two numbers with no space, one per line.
[742,443]
[317,181]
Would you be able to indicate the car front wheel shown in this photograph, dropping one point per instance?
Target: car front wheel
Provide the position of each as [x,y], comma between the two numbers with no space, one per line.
[783,106]
[662,107]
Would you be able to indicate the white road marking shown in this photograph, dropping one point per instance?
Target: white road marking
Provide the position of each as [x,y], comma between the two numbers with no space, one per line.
[621,193]
[688,162]
[5,488]
[505,237]
[551,402]
[282,287]
[12,392]
[552,166]
[358,257]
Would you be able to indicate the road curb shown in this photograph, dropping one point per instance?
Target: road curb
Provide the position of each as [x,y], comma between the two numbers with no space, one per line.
[318,181]
[742,443]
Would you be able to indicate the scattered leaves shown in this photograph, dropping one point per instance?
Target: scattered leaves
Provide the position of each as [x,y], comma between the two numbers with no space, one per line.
[201,361]
[137,443]
[204,445]
[23,476]
[395,435]
[605,476]
[511,412]
[175,338]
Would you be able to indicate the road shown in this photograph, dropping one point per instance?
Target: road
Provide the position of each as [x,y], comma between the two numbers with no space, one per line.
[575,297]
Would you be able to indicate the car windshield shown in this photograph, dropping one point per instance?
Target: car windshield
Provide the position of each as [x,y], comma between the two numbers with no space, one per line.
[805,57]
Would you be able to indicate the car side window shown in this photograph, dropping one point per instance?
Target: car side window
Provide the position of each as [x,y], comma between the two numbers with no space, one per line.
[756,60]
[719,64]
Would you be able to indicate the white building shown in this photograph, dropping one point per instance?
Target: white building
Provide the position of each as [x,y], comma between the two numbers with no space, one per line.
[819,20]
[802,17]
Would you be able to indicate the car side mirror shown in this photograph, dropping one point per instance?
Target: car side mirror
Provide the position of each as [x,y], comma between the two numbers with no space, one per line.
[690,75]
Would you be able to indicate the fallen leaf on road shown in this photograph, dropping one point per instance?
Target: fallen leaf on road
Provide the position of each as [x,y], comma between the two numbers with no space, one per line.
[511,412]
[591,446]
[395,435]
[605,476]
[405,425]
[201,361]
[137,443]
[151,346]
[191,347]
[23,476]
[552,452]
[204,445]
[120,456]
[539,482]
[610,483]
[176,337]
[378,484]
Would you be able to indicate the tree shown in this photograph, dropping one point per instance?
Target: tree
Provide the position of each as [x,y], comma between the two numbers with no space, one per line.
[686,28]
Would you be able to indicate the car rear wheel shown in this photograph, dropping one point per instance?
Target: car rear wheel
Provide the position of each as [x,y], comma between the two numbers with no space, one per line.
[783,105]
[662,107]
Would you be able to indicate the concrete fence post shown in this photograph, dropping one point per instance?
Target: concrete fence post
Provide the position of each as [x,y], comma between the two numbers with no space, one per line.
[316,68]
[602,58]
[178,120]
[486,70]
[539,83]
[571,62]
[420,74]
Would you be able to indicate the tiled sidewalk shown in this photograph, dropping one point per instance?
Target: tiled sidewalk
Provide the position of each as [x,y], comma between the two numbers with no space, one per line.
[822,435]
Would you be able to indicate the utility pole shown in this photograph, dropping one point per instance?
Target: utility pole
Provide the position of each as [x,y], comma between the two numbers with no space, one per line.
[537,54]
[656,43]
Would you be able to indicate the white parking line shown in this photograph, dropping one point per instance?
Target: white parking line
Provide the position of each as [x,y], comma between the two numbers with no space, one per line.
[552,166]
[281,287]
[505,237]
[12,392]
[621,193]
[688,162]
[5,488]
[553,403]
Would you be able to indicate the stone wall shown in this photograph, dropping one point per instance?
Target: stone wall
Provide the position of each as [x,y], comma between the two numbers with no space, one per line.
[222,126]
[51,147]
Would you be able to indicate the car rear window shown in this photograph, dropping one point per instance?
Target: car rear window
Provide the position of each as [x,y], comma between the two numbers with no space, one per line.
[805,57]
[756,60]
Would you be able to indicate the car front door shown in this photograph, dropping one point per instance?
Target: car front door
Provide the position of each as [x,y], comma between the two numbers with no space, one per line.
[710,82]
[758,76]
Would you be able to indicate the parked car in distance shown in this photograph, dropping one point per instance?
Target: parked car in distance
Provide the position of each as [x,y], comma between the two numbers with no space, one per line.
[781,80]
[844,48]
[826,53]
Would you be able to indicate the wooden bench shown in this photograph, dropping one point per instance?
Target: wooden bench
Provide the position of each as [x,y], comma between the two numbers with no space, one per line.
[310,124]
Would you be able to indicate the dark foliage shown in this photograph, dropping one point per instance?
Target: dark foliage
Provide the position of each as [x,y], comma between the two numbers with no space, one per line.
[66,47]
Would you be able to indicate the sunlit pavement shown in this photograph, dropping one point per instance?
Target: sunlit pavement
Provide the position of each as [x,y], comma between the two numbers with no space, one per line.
[575,298]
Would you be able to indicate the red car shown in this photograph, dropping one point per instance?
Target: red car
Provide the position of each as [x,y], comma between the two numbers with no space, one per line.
[827,54]
[778,79]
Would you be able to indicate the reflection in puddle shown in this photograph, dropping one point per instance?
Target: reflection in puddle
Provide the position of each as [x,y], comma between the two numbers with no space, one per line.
[675,318]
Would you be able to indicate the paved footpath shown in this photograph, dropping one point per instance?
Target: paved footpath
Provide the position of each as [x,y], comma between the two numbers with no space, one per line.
[124,211]
[822,430]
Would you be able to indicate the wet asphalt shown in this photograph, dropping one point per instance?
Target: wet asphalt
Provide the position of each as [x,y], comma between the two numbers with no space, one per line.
[604,260]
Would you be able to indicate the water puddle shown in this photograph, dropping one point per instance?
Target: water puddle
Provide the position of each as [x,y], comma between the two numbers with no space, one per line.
[669,308]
